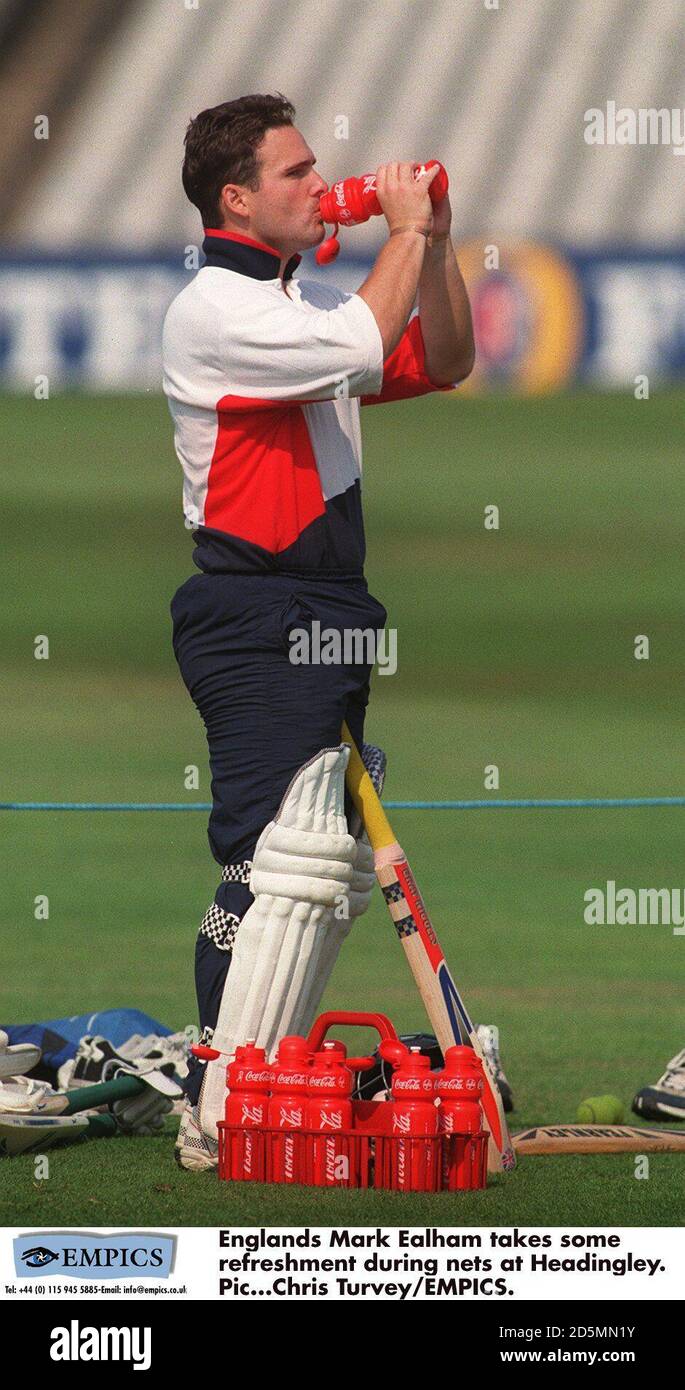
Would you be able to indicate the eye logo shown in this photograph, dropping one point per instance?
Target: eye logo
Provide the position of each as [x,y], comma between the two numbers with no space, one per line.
[38,1257]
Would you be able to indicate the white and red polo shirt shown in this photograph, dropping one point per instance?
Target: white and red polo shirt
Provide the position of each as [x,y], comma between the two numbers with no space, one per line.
[264,380]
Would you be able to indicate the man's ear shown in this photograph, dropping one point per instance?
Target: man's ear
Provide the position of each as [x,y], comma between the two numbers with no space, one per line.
[233,201]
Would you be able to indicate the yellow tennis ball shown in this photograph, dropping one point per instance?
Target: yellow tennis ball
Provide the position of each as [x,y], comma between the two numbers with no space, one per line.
[600,1110]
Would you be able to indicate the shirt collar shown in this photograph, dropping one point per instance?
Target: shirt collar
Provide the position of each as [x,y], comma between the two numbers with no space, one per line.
[234,251]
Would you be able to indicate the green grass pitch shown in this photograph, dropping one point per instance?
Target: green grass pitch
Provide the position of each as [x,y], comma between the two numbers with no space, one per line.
[515,648]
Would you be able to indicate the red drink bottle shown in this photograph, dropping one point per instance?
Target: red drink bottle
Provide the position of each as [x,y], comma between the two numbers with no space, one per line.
[414,1121]
[248,1077]
[289,1076]
[354,200]
[351,201]
[328,1114]
[459,1088]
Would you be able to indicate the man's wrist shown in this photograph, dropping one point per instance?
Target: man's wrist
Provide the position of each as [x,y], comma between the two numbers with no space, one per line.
[411,227]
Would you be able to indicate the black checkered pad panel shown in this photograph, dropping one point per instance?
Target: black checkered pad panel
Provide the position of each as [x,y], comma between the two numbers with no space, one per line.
[375,762]
[220,927]
[236,873]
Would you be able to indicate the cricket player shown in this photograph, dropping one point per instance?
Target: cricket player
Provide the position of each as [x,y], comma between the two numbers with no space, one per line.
[265,373]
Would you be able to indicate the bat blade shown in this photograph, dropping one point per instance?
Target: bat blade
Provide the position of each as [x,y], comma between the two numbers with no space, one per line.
[598,1139]
[24,1133]
[442,1000]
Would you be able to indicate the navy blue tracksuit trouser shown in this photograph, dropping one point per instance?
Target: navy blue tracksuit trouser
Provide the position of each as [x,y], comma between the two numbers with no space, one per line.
[264,717]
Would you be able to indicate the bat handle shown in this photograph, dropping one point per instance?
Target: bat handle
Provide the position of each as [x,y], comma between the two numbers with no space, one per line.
[388,854]
[89,1097]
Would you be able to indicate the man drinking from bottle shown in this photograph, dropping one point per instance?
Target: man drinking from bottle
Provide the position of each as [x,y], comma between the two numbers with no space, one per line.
[265,373]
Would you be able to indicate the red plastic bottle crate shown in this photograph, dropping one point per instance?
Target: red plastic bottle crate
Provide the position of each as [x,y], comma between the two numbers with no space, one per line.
[355,1158]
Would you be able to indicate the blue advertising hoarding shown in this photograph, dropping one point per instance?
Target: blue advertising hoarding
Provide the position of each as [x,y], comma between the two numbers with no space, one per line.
[546,317]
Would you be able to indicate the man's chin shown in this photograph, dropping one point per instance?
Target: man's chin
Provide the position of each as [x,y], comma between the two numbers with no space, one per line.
[308,241]
[315,237]
[312,236]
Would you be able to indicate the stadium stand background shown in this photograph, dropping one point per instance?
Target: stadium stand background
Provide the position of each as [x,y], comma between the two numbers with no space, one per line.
[498,95]
[95,230]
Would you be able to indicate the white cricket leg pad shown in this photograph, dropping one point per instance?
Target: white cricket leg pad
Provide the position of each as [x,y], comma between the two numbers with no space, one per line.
[359,895]
[329,946]
[302,867]
[363,877]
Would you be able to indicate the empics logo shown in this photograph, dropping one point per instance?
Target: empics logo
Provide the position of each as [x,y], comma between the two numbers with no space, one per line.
[140,1255]
[76,1343]
[39,1257]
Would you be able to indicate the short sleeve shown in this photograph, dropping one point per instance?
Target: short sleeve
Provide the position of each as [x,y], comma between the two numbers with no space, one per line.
[281,352]
[404,371]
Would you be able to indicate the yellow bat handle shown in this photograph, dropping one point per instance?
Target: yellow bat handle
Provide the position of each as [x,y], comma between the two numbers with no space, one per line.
[365,798]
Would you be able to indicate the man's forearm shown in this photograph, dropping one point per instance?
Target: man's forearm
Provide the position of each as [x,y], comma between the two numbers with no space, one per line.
[390,289]
[445,315]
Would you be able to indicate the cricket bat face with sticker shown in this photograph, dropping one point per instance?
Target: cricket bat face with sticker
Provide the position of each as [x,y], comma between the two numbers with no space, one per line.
[443,1002]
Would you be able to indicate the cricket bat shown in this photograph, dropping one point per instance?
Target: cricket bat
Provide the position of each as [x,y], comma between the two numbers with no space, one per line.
[443,1002]
[59,1118]
[90,1097]
[598,1139]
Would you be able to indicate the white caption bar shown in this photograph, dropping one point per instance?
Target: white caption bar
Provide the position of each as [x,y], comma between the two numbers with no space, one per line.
[357,1263]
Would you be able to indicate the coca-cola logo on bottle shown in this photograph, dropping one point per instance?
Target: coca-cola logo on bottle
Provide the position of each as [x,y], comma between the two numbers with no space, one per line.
[416,1084]
[284,1078]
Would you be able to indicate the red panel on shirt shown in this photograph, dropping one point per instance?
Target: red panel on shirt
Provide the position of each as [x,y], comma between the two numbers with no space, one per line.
[404,371]
[263,483]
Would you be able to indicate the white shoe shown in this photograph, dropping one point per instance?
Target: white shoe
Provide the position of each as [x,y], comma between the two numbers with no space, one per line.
[194,1150]
[666,1099]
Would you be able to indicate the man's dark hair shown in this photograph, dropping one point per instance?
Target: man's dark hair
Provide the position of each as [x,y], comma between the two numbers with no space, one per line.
[221,147]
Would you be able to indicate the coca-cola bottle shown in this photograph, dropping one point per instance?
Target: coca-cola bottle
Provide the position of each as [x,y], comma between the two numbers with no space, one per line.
[354,200]
[328,1115]
[459,1088]
[414,1122]
[289,1076]
[248,1076]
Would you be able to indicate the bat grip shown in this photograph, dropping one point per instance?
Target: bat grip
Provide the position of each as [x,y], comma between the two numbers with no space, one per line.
[367,802]
[89,1097]
[388,854]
